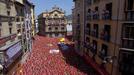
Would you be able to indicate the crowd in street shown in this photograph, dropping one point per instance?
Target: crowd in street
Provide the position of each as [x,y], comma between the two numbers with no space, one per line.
[41,62]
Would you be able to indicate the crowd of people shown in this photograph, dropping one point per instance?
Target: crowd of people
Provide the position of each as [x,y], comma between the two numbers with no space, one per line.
[41,62]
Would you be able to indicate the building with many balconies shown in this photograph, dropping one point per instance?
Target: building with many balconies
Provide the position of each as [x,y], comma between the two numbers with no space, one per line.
[108,28]
[52,23]
[15,33]
[10,45]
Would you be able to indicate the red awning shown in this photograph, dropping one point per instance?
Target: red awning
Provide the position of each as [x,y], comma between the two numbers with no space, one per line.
[98,69]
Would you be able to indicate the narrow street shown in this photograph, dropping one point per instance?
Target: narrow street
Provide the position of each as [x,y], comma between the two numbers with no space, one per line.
[42,62]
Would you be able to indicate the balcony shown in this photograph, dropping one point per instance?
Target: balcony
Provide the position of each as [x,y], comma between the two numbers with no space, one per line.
[89,16]
[129,15]
[87,31]
[103,52]
[105,36]
[19,26]
[87,45]
[10,53]
[128,43]
[96,15]
[106,15]
[94,33]
[93,48]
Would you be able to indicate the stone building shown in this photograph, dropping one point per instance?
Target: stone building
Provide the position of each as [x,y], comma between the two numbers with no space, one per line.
[15,32]
[107,34]
[52,23]
[10,45]
[29,18]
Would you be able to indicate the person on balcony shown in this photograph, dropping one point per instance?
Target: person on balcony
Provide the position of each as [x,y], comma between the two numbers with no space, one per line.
[107,14]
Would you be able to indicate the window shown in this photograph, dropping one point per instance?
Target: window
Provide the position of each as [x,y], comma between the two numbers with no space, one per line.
[56,28]
[0,29]
[94,47]
[10,30]
[8,13]
[89,2]
[130,4]
[128,36]
[62,28]
[95,30]
[78,18]
[87,39]
[49,28]
[0,24]
[17,19]
[22,19]
[108,12]
[87,29]
[105,34]
[128,30]
[103,51]
[126,62]
[129,15]
[56,15]
[96,8]
[18,31]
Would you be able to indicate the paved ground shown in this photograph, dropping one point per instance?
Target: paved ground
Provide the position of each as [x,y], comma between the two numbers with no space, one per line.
[41,62]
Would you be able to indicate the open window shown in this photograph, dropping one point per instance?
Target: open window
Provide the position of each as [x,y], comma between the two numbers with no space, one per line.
[103,52]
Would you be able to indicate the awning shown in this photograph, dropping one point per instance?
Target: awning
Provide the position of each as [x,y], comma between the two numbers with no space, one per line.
[94,65]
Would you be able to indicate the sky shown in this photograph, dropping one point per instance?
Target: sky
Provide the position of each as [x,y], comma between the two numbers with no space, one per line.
[42,5]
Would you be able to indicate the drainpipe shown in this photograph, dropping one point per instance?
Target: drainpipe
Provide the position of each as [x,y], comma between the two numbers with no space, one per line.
[116,33]
[84,14]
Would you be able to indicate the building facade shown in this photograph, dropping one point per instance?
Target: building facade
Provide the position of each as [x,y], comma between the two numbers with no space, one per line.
[108,34]
[52,23]
[78,28]
[13,34]
[29,18]
[10,45]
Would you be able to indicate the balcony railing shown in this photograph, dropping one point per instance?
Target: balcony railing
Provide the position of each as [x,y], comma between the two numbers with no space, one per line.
[19,26]
[106,15]
[89,16]
[129,15]
[4,39]
[96,15]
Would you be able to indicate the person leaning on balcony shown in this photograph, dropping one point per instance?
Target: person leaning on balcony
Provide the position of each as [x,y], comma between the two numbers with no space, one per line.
[103,14]
[107,14]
